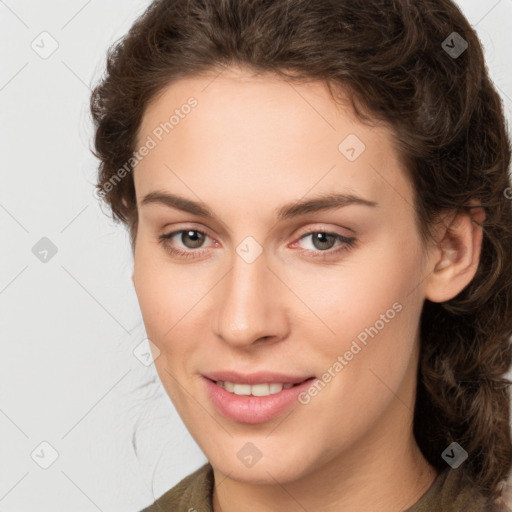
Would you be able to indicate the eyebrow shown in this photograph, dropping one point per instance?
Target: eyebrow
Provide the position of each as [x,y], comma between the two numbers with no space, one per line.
[288,211]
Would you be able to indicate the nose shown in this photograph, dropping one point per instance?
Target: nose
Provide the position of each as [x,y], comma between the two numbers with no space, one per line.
[251,306]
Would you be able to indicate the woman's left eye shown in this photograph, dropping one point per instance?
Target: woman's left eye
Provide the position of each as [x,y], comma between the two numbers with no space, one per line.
[193,240]
[323,241]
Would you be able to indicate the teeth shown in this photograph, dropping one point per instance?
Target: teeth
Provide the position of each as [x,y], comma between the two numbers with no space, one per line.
[255,389]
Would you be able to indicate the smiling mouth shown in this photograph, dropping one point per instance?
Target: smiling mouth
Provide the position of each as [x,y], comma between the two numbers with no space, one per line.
[255,402]
[260,389]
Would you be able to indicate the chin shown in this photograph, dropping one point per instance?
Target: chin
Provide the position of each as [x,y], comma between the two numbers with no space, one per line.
[264,471]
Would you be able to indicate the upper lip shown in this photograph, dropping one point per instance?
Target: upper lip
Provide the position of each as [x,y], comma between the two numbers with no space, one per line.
[255,378]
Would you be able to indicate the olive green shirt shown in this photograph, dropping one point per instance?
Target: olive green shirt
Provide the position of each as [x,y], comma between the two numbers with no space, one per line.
[448,493]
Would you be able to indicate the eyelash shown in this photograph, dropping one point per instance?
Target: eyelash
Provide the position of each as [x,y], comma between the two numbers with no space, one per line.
[348,243]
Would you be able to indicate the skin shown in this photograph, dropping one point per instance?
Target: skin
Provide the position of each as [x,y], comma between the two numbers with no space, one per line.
[253,144]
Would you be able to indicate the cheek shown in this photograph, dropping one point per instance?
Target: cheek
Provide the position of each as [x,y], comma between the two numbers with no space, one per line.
[373,309]
[169,296]
[157,292]
[367,308]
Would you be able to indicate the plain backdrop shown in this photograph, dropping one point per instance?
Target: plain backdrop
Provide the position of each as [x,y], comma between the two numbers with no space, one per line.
[73,390]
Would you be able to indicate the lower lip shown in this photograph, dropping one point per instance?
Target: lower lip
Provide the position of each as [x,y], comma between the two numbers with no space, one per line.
[254,409]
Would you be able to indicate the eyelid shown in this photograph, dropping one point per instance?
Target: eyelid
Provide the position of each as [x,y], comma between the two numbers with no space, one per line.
[323,228]
[175,229]
[345,242]
[171,234]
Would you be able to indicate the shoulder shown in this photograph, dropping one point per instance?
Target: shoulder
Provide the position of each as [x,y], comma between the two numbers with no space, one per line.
[453,491]
[194,492]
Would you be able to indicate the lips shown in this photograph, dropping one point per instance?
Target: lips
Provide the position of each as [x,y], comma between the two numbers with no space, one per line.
[254,409]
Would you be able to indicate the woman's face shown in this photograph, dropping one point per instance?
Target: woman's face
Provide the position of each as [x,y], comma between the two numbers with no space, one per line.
[283,280]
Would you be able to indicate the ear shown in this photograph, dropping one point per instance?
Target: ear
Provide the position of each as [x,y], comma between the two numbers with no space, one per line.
[454,258]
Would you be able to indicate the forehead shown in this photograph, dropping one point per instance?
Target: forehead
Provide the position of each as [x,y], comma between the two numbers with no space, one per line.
[262,134]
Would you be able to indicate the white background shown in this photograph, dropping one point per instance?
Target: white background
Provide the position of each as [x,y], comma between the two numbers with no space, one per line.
[68,375]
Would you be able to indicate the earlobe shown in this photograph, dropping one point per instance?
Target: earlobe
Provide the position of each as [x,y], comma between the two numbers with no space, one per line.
[454,259]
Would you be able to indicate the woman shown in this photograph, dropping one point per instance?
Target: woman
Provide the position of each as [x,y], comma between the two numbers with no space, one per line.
[317,198]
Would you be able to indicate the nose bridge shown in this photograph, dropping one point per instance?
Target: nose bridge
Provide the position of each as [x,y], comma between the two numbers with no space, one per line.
[249,305]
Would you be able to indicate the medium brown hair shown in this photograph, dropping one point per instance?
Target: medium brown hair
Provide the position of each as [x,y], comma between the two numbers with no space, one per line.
[392,58]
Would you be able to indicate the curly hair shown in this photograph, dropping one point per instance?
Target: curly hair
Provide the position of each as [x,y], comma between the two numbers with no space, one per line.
[394,59]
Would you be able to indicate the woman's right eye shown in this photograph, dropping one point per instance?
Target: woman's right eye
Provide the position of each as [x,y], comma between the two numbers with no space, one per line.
[190,249]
